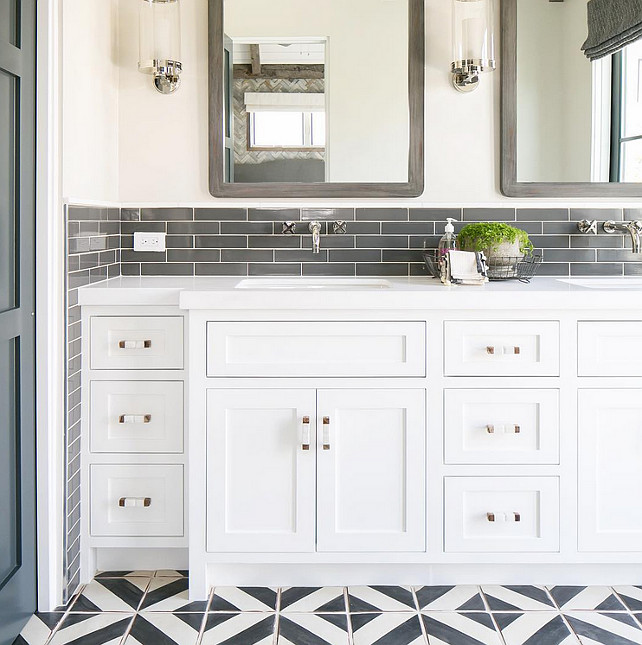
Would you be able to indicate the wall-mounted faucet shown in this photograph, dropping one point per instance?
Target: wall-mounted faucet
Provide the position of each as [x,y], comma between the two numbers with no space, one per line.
[315,229]
[634,229]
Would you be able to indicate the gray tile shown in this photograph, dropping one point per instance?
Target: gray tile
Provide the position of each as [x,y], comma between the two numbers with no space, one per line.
[249,228]
[419,270]
[87,213]
[130,269]
[542,214]
[489,214]
[90,228]
[97,274]
[274,269]
[300,256]
[440,227]
[565,228]
[167,268]
[330,241]
[633,269]
[98,243]
[550,241]
[600,214]
[274,241]
[273,214]
[569,255]
[326,269]
[382,242]
[193,228]
[129,228]
[165,214]
[107,257]
[73,229]
[129,214]
[113,270]
[331,214]
[220,214]
[617,255]
[142,256]
[109,228]
[355,255]
[603,241]
[78,279]
[434,214]
[365,269]
[220,241]
[405,255]
[421,242]
[532,228]
[73,262]
[246,255]
[364,228]
[78,245]
[631,214]
[179,241]
[193,255]
[114,214]
[407,228]
[597,268]
[221,268]
[382,214]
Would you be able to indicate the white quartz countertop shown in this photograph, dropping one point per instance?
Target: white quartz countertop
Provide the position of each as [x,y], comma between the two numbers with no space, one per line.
[346,293]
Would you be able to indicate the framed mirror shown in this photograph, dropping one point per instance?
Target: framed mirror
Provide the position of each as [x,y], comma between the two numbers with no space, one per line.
[570,127]
[316,98]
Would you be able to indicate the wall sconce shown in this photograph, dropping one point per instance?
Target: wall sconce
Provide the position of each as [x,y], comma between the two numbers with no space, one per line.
[473,42]
[160,43]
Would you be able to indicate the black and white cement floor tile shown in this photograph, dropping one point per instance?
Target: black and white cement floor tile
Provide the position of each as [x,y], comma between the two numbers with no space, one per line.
[171,573]
[380,598]
[92,629]
[111,594]
[124,574]
[165,629]
[597,628]
[387,629]
[170,594]
[442,598]
[631,596]
[457,628]
[239,629]
[535,628]
[312,599]
[38,629]
[586,598]
[244,599]
[517,598]
[313,629]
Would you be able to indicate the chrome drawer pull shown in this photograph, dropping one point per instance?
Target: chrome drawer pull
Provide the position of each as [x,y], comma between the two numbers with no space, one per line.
[490,429]
[305,434]
[504,517]
[135,344]
[135,502]
[516,350]
[326,433]
[135,418]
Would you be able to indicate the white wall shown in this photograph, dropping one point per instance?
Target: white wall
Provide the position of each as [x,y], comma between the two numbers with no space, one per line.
[90,100]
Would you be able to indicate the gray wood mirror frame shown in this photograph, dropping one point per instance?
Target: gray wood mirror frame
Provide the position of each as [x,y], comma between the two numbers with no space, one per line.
[513,183]
[219,66]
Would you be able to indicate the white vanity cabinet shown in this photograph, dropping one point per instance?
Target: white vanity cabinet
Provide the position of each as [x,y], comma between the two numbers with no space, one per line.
[304,470]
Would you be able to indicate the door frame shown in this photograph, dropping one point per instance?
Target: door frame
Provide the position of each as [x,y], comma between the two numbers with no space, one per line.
[50,263]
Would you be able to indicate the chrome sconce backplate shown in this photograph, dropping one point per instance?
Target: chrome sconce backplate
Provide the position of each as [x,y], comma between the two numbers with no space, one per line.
[166,74]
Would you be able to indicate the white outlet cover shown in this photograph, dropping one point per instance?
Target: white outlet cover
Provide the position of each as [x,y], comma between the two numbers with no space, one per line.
[153,242]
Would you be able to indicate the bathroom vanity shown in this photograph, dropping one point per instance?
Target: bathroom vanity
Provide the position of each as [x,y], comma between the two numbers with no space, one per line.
[372,430]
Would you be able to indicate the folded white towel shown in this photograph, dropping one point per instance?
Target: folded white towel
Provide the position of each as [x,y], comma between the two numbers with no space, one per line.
[464,267]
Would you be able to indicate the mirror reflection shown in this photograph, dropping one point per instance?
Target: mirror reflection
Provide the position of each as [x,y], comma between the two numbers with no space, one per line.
[577,120]
[316,92]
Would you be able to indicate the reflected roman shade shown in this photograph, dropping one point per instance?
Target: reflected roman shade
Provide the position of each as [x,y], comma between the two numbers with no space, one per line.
[612,24]
[284,102]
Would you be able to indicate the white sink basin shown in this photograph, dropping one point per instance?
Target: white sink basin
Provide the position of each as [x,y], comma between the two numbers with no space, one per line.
[605,283]
[313,283]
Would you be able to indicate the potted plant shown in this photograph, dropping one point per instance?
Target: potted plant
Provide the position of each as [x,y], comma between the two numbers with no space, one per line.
[503,245]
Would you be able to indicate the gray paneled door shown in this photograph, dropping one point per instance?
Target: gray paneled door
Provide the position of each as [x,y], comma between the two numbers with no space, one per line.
[17,324]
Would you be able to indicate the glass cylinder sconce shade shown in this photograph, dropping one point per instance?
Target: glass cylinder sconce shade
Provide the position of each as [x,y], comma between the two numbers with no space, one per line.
[473,42]
[159,44]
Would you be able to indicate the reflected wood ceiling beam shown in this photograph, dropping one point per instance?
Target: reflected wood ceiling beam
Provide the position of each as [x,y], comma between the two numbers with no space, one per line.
[255,57]
[286,72]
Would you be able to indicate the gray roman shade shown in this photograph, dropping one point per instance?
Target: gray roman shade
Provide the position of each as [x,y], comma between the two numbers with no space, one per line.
[612,24]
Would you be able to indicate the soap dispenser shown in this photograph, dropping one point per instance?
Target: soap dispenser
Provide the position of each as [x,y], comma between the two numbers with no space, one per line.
[448,242]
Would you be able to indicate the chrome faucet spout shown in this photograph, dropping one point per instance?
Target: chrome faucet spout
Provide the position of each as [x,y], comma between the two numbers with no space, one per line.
[634,229]
[315,229]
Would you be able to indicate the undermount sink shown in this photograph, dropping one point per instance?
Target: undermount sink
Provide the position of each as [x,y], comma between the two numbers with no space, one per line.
[605,283]
[313,283]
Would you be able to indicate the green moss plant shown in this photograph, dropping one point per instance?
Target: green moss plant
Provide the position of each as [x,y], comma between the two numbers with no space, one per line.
[488,236]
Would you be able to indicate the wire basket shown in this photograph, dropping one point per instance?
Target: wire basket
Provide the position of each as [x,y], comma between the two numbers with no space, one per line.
[431,260]
[514,268]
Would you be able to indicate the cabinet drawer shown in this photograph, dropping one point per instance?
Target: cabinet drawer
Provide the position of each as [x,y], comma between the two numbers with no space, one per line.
[136,342]
[136,416]
[501,514]
[501,426]
[286,349]
[609,348]
[501,348]
[137,500]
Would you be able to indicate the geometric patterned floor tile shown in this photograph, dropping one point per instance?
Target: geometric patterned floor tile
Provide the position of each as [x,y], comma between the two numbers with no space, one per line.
[38,629]
[111,594]
[92,629]
[631,596]
[165,629]
[586,598]
[517,598]
[244,599]
[239,629]
[171,573]
[314,599]
[387,629]
[124,574]
[380,598]
[320,629]
[171,595]
[604,628]
[535,628]
[450,628]
[459,598]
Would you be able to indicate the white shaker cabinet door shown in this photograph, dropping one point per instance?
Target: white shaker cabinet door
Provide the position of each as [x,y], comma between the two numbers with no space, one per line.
[370,460]
[260,470]
[610,470]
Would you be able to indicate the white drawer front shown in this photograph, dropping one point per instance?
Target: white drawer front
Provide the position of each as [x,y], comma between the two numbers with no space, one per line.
[610,348]
[283,349]
[137,500]
[501,348]
[136,416]
[501,426]
[136,342]
[501,514]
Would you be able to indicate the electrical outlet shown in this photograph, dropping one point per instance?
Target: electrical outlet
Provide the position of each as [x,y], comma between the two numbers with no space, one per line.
[149,242]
